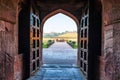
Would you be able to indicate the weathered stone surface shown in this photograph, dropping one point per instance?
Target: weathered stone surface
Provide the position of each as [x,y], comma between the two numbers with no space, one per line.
[112,51]
[102,69]
[58,72]
[2,25]
[18,62]
[7,11]
[6,55]
[111,11]
[108,52]
[7,42]
[116,52]
[111,17]
[109,62]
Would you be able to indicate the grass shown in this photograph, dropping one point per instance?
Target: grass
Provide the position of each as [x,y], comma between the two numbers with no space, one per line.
[45,45]
[73,44]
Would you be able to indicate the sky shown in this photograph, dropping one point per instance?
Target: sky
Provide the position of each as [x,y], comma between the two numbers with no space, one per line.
[59,23]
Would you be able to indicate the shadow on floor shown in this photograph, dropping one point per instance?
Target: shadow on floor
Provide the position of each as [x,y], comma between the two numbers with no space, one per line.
[58,72]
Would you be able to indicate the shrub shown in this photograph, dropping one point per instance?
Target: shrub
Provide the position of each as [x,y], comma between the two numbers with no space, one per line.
[72,44]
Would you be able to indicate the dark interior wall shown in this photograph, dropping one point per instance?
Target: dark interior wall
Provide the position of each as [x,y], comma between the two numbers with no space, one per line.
[95,28]
[72,6]
[24,38]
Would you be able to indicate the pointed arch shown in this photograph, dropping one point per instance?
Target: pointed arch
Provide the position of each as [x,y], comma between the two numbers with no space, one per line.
[60,11]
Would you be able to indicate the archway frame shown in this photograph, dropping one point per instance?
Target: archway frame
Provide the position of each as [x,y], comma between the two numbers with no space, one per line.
[56,12]
[65,13]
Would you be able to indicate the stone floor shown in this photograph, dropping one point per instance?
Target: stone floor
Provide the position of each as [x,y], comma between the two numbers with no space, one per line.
[59,63]
[58,72]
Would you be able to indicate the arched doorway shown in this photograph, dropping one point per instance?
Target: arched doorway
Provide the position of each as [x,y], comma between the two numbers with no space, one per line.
[87,44]
[64,13]
[64,29]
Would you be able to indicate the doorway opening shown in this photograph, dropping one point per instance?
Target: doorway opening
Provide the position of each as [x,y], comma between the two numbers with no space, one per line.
[60,40]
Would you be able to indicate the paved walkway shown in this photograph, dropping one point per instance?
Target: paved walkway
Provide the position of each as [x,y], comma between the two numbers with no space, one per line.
[60,53]
[59,64]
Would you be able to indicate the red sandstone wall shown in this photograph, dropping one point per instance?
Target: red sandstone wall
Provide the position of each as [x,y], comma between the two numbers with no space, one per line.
[6,56]
[6,41]
[18,67]
[12,69]
[111,19]
[110,62]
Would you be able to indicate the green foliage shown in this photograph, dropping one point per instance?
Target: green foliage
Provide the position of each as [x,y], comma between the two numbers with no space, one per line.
[72,44]
[50,42]
[47,44]
[75,46]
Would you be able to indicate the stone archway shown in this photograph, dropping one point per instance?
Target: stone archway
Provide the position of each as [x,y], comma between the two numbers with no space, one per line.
[54,13]
[60,11]
[109,58]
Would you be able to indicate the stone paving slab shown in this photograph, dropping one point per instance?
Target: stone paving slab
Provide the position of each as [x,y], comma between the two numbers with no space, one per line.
[60,53]
[58,72]
[59,63]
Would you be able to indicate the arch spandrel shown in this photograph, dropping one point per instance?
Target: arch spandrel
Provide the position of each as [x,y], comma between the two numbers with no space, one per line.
[60,11]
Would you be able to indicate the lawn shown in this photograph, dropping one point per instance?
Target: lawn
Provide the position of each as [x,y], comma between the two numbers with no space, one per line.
[73,44]
[45,45]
